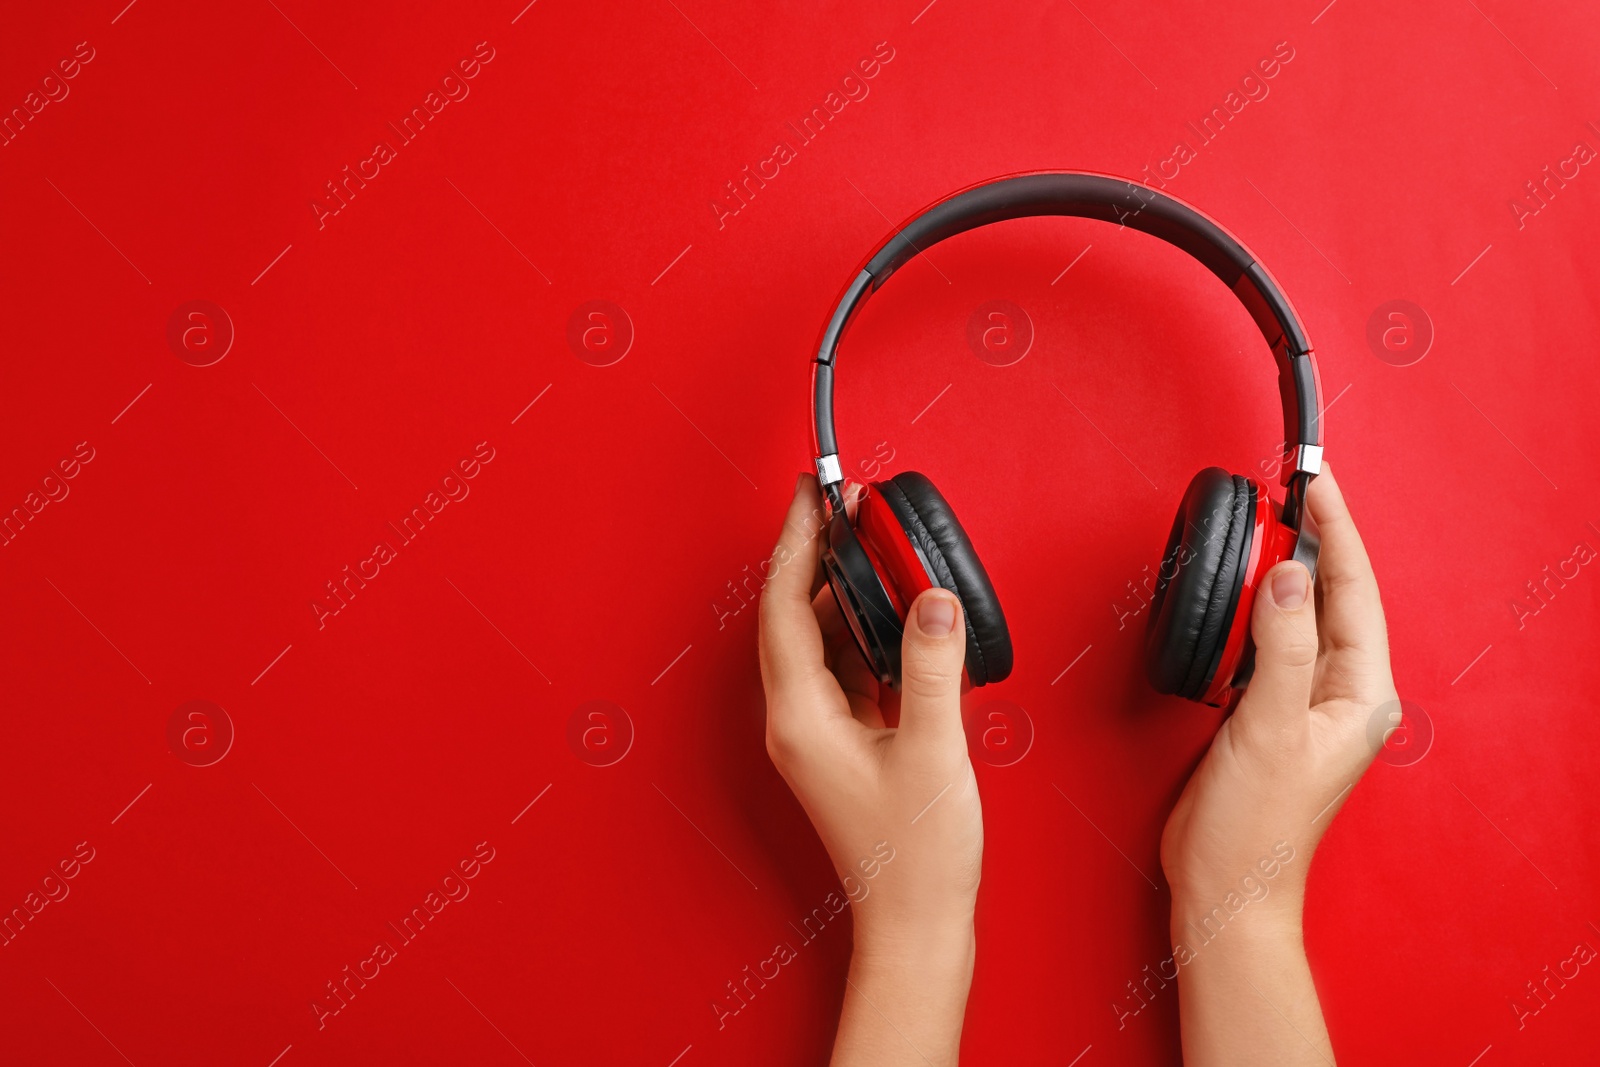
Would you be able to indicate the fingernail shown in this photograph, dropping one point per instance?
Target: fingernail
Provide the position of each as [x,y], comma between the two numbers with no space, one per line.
[936,615]
[1290,587]
[801,480]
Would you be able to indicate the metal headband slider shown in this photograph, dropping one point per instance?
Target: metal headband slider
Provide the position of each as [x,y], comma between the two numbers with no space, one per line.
[1308,459]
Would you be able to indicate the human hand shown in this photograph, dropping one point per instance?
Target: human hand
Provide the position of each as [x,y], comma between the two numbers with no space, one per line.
[1238,845]
[1282,765]
[896,807]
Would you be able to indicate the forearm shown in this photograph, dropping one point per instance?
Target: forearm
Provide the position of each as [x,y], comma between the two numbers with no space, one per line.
[906,999]
[1246,993]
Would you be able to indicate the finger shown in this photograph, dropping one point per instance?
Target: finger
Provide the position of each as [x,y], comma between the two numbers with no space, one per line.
[1283,624]
[932,653]
[791,641]
[1352,624]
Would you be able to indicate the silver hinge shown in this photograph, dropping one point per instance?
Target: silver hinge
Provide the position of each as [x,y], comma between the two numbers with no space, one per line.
[1308,458]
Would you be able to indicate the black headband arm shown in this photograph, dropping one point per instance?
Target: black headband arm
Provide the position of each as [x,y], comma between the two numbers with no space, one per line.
[1122,203]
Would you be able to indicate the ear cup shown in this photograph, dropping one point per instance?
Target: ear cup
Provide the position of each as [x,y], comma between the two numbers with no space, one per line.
[1199,581]
[863,599]
[953,563]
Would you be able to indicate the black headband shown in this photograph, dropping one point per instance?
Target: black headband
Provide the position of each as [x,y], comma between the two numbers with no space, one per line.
[1115,200]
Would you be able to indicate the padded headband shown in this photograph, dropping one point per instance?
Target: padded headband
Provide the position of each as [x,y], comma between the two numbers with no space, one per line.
[1115,200]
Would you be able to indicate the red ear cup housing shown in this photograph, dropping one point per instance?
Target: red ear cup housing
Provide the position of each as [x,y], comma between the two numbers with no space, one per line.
[929,525]
[906,539]
[1227,535]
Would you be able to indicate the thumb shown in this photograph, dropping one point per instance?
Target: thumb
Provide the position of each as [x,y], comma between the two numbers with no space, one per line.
[1284,626]
[931,658]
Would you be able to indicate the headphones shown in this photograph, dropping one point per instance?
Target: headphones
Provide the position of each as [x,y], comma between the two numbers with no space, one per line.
[1229,533]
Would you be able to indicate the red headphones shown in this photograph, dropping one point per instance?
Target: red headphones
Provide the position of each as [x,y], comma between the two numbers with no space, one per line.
[1228,533]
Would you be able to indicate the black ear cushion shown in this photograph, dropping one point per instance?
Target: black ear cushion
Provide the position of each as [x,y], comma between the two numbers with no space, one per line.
[933,528]
[1198,583]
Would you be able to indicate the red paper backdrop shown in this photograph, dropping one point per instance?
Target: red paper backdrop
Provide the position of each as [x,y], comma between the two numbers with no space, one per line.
[600,553]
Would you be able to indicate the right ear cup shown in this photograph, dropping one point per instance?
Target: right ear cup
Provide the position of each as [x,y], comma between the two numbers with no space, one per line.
[952,563]
[1199,582]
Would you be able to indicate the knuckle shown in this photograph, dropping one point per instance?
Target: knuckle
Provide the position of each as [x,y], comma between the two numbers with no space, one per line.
[923,676]
[1297,652]
[783,747]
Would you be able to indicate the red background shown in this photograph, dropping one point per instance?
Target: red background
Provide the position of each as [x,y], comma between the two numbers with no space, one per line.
[375,753]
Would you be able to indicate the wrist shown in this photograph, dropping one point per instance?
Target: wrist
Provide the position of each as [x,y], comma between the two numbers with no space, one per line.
[932,950]
[906,994]
[1215,929]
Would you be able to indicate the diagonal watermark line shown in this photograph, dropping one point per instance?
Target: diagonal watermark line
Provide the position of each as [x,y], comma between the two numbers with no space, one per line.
[932,402]
[131,803]
[1513,44]
[1102,833]
[524,11]
[680,1056]
[490,1021]
[280,1056]
[132,402]
[674,263]
[1299,231]
[1109,441]
[931,803]
[309,441]
[1324,11]
[124,11]
[499,231]
[99,631]
[531,803]
[101,232]
[1073,664]
[890,1021]
[673,664]
[1336,399]
[702,833]
[1480,1056]
[1473,664]
[271,665]
[1292,1026]
[1074,263]
[1113,44]
[302,833]
[1331,803]
[923,12]
[313,44]
[702,433]
[920,253]
[532,402]
[274,263]
[90,1021]
[1080,1056]
[713,44]
[501,632]
[1502,433]
[1502,833]
[1474,262]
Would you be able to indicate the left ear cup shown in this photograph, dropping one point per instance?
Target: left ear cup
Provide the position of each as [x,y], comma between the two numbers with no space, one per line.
[953,564]
[1199,582]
